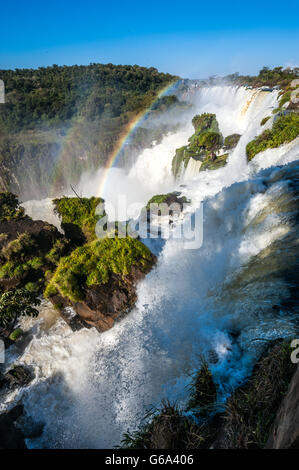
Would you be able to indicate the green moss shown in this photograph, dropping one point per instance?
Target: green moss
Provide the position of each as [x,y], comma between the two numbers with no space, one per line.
[94,263]
[285,129]
[168,198]
[205,121]
[179,159]
[231,141]
[266,119]
[78,217]
[213,164]
[16,334]
[285,98]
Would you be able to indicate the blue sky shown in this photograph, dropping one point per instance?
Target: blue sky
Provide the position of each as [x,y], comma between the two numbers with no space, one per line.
[192,39]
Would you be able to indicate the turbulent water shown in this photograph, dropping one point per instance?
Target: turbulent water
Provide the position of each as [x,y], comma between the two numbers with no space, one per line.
[223,299]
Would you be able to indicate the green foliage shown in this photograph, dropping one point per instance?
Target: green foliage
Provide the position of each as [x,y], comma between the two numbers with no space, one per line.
[165,428]
[20,248]
[251,410]
[213,163]
[203,390]
[205,141]
[78,217]
[264,120]
[9,207]
[60,248]
[231,141]
[16,303]
[168,198]
[56,95]
[94,263]
[278,76]
[209,141]
[16,334]
[204,122]
[285,98]
[285,129]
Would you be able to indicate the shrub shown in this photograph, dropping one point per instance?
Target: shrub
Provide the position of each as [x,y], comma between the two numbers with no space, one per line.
[285,129]
[251,410]
[9,207]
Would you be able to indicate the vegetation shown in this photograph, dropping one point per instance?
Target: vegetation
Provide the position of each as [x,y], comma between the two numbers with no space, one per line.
[78,218]
[251,410]
[285,129]
[168,199]
[203,390]
[56,95]
[213,163]
[231,141]
[167,428]
[94,104]
[9,207]
[245,422]
[16,303]
[27,249]
[264,120]
[94,263]
[203,144]
[278,76]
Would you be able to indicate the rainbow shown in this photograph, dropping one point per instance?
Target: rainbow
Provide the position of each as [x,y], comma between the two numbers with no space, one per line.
[125,136]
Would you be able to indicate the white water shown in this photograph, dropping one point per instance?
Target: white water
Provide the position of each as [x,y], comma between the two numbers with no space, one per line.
[90,388]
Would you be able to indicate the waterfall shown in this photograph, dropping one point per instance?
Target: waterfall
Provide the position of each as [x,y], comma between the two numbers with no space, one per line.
[90,388]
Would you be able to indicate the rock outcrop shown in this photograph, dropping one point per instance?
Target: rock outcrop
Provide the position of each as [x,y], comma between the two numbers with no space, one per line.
[99,280]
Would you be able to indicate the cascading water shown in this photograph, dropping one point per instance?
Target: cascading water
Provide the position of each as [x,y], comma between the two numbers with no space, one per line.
[89,387]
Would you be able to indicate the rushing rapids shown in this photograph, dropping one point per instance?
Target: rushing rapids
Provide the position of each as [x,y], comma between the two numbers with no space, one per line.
[225,298]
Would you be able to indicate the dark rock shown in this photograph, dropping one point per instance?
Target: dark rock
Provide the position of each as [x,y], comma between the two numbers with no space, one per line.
[10,436]
[18,376]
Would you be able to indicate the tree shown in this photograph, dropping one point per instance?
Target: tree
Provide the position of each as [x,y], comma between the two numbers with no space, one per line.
[16,303]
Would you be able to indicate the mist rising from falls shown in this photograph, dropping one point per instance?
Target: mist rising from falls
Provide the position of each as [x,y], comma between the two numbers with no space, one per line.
[89,387]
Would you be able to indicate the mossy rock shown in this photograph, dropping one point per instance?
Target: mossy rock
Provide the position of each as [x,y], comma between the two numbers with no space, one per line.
[213,163]
[78,217]
[16,334]
[203,143]
[94,263]
[284,130]
[231,141]
[169,198]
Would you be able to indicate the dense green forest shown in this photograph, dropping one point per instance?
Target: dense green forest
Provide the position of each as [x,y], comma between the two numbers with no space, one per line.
[94,102]
[55,95]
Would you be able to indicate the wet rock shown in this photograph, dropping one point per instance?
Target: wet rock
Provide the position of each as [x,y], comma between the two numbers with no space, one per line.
[10,436]
[17,376]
